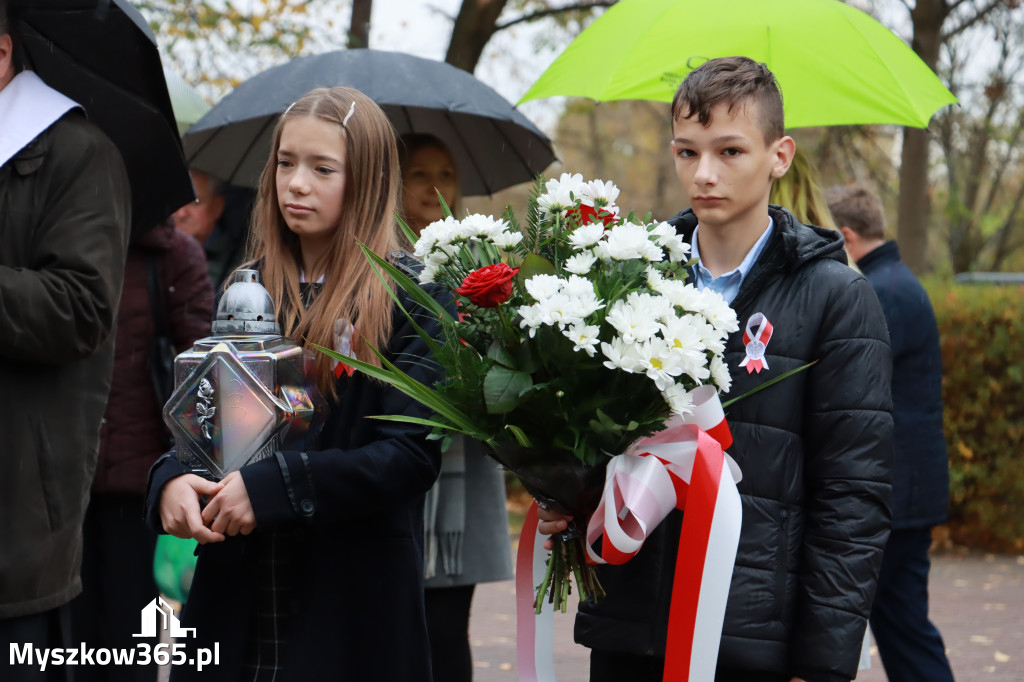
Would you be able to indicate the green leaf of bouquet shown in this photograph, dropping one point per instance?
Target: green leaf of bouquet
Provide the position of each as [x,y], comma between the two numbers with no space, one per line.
[770,382]
[500,355]
[534,265]
[520,435]
[604,424]
[408,285]
[432,345]
[502,387]
[390,374]
[424,422]
[447,212]
[408,231]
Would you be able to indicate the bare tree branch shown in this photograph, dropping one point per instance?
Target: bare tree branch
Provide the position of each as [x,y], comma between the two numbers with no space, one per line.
[541,13]
[975,18]
[909,8]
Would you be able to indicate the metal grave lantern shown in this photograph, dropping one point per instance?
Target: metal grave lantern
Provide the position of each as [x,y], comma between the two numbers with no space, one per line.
[245,391]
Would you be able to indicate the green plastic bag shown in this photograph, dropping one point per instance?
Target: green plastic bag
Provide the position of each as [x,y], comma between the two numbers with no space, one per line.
[174,564]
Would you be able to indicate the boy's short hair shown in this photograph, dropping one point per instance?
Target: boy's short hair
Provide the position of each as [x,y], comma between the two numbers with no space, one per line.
[734,81]
[858,208]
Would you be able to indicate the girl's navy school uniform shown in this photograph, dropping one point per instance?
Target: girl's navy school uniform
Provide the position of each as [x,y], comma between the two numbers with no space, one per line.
[330,583]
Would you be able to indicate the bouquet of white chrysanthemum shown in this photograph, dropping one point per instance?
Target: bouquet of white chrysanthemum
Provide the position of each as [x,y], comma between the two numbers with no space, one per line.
[577,336]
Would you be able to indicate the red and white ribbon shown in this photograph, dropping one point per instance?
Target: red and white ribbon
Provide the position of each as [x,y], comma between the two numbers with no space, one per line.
[756,343]
[685,467]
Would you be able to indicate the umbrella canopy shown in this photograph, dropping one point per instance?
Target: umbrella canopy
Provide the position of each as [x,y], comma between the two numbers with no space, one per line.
[835,64]
[189,106]
[494,145]
[102,54]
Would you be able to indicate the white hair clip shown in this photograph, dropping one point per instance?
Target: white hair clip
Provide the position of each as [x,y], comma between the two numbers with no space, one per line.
[289,108]
[351,110]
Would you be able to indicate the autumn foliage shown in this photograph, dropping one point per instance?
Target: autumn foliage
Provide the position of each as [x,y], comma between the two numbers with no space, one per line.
[982,333]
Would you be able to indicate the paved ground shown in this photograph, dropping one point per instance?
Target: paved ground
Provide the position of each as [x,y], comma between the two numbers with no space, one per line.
[977,604]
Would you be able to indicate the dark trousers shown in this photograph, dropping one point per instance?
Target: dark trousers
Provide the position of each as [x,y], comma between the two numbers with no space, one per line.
[47,630]
[117,583]
[909,645]
[606,666]
[448,629]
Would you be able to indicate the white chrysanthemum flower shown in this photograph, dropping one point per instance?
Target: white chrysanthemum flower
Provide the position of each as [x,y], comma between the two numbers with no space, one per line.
[580,291]
[678,250]
[584,337]
[579,287]
[559,194]
[580,264]
[507,240]
[428,273]
[600,194]
[655,279]
[720,374]
[566,182]
[666,237]
[477,225]
[543,286]
[660,363]
[630,241]
[684,296]
[622,355]
[586,235]
[659,307]
[713,339]
[717,311]
[558,309]
[634,322]
[679,399]
[438,232]
[533,317]
[683,334]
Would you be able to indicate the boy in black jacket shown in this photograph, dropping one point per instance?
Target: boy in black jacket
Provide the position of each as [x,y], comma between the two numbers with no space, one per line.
[814,449]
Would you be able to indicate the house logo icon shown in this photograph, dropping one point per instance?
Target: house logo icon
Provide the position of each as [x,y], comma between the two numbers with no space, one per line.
[167,618]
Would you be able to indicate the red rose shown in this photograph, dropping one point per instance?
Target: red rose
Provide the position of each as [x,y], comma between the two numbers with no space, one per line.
[489,286]
[588,214]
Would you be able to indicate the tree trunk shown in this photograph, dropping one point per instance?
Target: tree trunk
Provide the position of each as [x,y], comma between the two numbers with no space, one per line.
[914,206]
[473,27]
[359,27]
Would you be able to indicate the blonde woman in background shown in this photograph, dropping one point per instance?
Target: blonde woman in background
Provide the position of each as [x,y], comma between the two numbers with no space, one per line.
[466,523]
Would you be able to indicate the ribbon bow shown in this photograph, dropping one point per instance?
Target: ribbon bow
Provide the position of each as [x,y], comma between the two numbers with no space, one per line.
[756,343]
[683,467]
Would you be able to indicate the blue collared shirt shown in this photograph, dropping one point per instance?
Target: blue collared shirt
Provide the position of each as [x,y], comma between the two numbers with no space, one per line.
[728,284]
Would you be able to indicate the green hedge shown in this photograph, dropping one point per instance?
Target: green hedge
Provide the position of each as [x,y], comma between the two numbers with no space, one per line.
[982,332]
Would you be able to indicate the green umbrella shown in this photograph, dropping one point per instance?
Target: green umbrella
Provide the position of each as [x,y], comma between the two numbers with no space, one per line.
[836,65]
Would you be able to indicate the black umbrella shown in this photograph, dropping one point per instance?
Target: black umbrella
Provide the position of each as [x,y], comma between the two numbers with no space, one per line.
[494,145]
[102,54]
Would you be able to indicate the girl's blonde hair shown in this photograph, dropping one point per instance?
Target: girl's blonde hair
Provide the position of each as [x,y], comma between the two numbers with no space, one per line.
[351,289]
[799,191]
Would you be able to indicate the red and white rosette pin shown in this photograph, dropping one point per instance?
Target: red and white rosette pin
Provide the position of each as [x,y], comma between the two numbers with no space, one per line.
[756,336]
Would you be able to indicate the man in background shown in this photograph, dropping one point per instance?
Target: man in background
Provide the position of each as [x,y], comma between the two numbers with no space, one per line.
[910,646]
[205,220]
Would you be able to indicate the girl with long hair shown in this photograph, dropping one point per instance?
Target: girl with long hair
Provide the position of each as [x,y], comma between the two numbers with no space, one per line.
[311,563]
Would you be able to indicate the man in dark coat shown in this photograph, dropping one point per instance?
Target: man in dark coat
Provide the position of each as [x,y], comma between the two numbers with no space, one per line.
[64,225]
[117,565]
[814,449]
[909,644]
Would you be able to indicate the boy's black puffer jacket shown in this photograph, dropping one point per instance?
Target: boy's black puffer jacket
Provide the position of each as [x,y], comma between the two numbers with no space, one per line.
[815,451]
